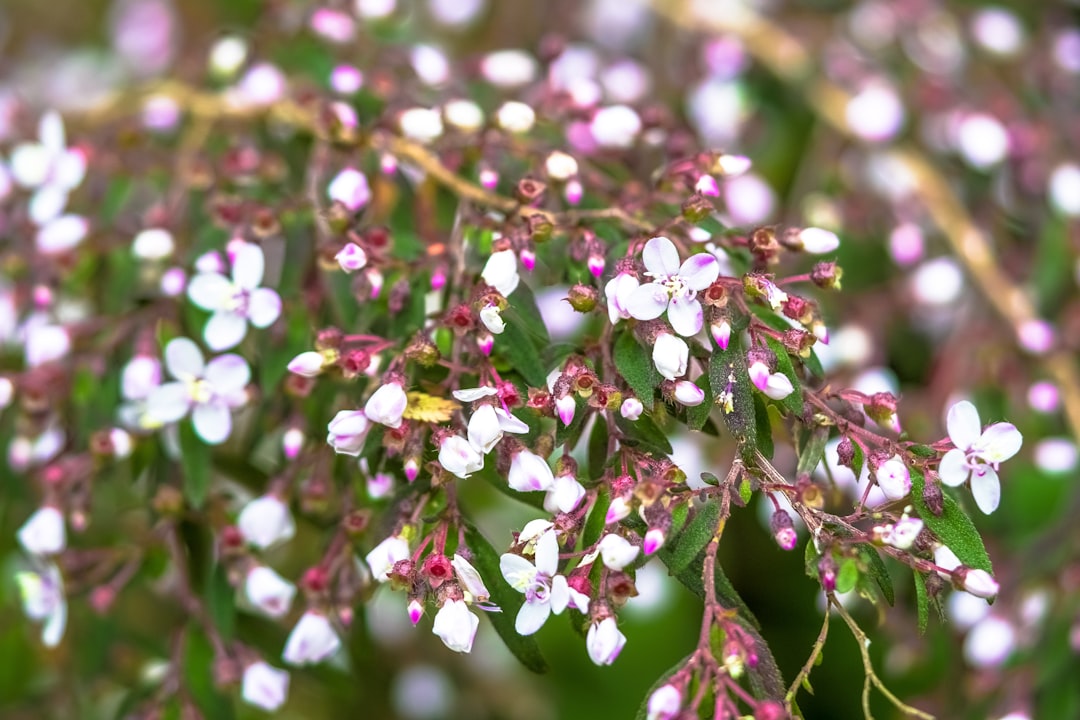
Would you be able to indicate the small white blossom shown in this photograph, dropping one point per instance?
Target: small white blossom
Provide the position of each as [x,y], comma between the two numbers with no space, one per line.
[44,532]
[351,258]
[775,385]
[268,592]
[616,552]
[350,188]
[139,377]
[818,241]
[421,124]
[386,554]
[456,625]
[266,521]
[471,583]
[894,478]
[689,393]
[604,641]
[153,244]
[673,287]
[386,405]
[980,584]
[265,686]
[347,431]
[311,641]
[564,495]
[515,117]
[664,703]
[209,391]
[529,472]
[237,301]
[458,456]
[492,320]
[902,535]
[545,591]
[500,272]
[618,291]
[42,594]
[670,356]
[631,409]
[46,343]
[978,454]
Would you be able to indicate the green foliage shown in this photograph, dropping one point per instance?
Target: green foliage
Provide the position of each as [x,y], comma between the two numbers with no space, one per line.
[195,462]
[691,541]
[635,364]
[953,527]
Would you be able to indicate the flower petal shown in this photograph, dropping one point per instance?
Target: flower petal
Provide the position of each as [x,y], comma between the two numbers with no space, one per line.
[264,307]
[225,330]
[560,594]
[685,315]
[531,617]
[517,571]
[1000,442]
[213,423]
[963,424]
[210,291]
[228,373]
[699,271]
[648,301]
[183,359]
[986,488]
[547,553]
[953,469]
[510,423]
[660,257]
[69,170]
[248,265]
[47,204]
[168,403]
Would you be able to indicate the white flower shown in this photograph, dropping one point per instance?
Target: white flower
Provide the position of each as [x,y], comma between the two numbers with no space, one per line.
[492,320]
[46,343]
[456,625]
[977,454]
[902,535]
[894,478]
[351,258]
[266,521]
[474,394]
[500,272]
[458,456]
[308,364]
[515,117]
[618,291]
[615,126]
[471,583]
[386,554]
[545,591]
[61,234]
[43,533]
[980,584]
[350,188]
[268,592]
[464,115]
[945,559]
[508,68]
[42,595]
[689,393]
[487,426]
[775,385]
[564,495]
[664,703]
[421,124]
[616,552]
[49,167]
[529,471]
[670,355]
[208,390]
[140,376]
[604,641]
[818,241]
[386,405]
[631,409]
[674,288]
[561,166]
[311,641]
[265,686]
[346,432]
[235,302]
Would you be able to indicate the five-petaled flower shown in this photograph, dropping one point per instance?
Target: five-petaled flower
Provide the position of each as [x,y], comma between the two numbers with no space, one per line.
[977,454]
[674,288]
[234,302]
[545,591]
[208,390]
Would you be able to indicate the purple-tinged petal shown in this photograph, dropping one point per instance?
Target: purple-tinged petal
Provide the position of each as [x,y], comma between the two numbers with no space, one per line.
[264,307]
[1000,442]
[183,359]
[685,315]
[648,301]
[953,469]
[210,291]
[759,375]
[986,488]
[531,617]
[660,257]
[228,373]
[168,403]
[700,271]
[963,424]
[213,423]
[224,330]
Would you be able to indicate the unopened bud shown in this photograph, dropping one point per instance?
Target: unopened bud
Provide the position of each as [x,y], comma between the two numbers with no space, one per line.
[845,452]
[654,540]
[783,530]
[827,275]
[932,497]
[582,298]
[696,209]
[292,442]
[596,264]
[827,570]
[977,582]
[416,611]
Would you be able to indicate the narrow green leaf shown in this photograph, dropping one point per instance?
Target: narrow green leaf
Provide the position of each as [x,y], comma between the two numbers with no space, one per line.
[698,414]
[763,426]
[857,460]
[875,568]
[598,448]
[198,677]
[221,603]
[514,345]
[594,526]
[953,527]
[635,364]
[643,433]
[691,541]
[812,452]
[195,463]
[922,601]
[727,372]
[794,402]
[923,451]
[486,561]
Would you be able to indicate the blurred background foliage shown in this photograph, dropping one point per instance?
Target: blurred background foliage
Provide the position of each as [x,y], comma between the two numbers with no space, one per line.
[903,322]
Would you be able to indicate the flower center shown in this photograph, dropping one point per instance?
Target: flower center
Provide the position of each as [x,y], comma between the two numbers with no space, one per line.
[200,391]
[236,301]
[539,590]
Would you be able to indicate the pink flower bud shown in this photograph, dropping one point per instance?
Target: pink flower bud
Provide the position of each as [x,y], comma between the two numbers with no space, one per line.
[346,80]
[350,188]
[664,703]
[173,282]
[412,469]
[388,164]
[565,408]
[292,441]
[631,408]
[689,393]
[721,333]
[265,686]
[489,178]
[485,343]
[707,186]
[351,258]
[783,530]
[573,192]
[416,611]
[654,540]
[307,364]
[617,510]
[596,265]
[528,259]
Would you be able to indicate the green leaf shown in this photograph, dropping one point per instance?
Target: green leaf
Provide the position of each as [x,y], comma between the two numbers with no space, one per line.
[922,601]
[524,311]
[875,567]
[698,414]
[515,346]
[793,403]
[857,460]
[598,448]
[198,677]
[635,365]
[812,452]
[848,575]
[486,561]
[763,427]
[923,451]
[221,603]
[594,526]
[643,433]
[195,462]
[691,541]
[953,527]
[727,369]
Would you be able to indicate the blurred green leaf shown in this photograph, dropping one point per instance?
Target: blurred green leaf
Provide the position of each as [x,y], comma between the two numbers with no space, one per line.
[199,679]
[644,433]
[876,569]
[953,526]
[922,600]
[636,366]
[195,461]
[691,541]
[793,403]
[848,575]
